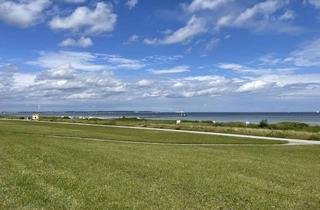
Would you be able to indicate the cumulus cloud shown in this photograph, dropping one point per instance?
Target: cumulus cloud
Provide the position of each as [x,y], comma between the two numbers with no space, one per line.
[195,26]
[65,82]
[60,83]
[22,13]
[82,42]
[131,3]
[86,20]
[12,83]
[210,85]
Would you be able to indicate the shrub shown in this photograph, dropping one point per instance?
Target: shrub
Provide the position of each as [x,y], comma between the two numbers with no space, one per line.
[263,124]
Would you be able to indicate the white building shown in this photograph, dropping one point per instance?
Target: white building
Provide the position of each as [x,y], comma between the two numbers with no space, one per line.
[35,116]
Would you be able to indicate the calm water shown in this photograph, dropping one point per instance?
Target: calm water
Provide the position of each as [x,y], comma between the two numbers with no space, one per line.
[310,118]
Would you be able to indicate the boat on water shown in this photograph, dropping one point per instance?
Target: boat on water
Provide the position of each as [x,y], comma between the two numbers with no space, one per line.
[182,114]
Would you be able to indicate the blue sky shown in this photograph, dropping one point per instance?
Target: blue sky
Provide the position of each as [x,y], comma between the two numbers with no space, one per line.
[169,55]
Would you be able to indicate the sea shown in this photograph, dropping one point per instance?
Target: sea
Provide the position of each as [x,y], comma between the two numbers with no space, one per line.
[252,117]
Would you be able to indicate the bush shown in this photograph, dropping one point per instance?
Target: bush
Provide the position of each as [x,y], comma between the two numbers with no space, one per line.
[263,124]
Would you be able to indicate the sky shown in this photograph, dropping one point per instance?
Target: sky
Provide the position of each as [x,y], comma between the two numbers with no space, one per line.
[168,55]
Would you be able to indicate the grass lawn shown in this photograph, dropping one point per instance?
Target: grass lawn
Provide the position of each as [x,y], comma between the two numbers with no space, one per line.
[293,130]
[39,171]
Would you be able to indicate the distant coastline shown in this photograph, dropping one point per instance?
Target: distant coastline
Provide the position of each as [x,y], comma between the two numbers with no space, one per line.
[252,117]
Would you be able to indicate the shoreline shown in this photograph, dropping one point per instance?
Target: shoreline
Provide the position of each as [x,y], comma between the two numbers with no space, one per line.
[310,118]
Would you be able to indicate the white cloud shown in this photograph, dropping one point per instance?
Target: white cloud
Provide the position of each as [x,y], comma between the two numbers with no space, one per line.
[22,13]
[253,86]
[288,15]
[265,8]
[177,69]
[144,83]
[237,68]
[87,21]
[131,3]
[212,43]
[270,59]
[315,3]
[208,85]
[262,16]
[12,83]
[65,82]
[78,60]
[132,39]
[308,55]
[75,1]
[254,70]
[197,5]
[119,62]
[195,26]
[283,81]
[60,83]
[86,61]
[82,42]
[22,80]
[291,79]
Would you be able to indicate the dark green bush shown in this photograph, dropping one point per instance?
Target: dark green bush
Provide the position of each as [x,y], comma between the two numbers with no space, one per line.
[263,124]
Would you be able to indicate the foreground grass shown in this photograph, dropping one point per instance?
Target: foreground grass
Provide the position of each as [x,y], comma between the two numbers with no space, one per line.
[38,171]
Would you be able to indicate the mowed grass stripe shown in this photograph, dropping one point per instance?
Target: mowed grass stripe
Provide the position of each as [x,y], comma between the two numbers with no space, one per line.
[122,134]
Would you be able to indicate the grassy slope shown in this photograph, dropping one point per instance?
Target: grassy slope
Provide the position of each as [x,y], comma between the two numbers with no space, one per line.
[123,134]
[41,172]
[284,130]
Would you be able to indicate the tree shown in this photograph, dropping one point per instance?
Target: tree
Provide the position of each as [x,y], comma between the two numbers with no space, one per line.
[263,124]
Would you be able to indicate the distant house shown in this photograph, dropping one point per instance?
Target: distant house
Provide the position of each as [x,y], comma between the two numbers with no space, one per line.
[35,116]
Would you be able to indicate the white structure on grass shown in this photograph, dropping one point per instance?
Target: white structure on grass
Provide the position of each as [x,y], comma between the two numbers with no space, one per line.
[35,116]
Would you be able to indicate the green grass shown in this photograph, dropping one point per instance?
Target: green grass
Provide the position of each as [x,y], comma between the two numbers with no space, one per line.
[284,130]
[41,172]
[121,134]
